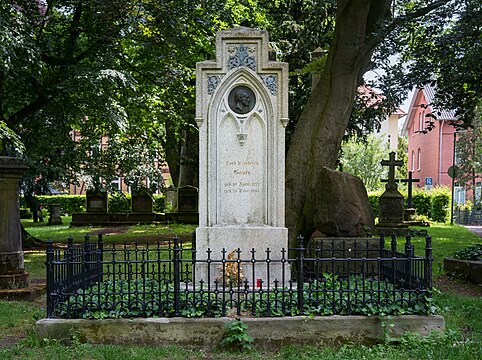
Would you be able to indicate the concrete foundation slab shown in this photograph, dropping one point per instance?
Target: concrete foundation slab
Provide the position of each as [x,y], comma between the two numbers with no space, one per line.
[268,333]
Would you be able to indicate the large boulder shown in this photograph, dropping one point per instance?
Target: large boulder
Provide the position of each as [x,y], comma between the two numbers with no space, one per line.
[341,205]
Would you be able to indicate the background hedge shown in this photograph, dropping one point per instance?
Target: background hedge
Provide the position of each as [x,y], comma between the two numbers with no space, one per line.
[69,204]
[434,203]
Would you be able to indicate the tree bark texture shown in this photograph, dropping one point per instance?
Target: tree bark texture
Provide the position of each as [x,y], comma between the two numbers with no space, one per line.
[321,126]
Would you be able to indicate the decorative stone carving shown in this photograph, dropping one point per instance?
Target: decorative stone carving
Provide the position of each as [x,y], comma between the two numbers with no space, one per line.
[242,57]
[213,81]
[271,83]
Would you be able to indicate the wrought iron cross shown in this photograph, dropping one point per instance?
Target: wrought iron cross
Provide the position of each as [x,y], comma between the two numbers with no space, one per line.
[410,181]
[391,163]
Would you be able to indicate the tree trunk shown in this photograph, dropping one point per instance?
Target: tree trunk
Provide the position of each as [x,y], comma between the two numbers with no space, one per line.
[320,129]
[189,166]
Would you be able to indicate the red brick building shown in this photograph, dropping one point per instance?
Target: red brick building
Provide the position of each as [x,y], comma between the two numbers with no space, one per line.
[431,153]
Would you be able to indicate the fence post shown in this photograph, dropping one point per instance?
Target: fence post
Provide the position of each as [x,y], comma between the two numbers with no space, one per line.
[50,278]
[428,262]
[70,265]
[408,261]
[100,258]
[177,278]
[301,254]
[382,243]
[86,269]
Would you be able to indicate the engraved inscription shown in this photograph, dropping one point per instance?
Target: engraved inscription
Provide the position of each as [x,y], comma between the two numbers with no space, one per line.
[241,173]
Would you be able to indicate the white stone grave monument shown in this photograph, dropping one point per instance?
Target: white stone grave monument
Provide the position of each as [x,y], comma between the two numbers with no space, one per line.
[242,112]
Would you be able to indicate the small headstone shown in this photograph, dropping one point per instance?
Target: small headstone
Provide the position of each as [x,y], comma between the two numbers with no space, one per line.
[141,203]
[54,218]
[96,201]
[242,112]
[187,199]
[171,199]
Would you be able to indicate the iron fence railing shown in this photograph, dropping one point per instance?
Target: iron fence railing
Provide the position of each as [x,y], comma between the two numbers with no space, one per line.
[98,280]
[468,217]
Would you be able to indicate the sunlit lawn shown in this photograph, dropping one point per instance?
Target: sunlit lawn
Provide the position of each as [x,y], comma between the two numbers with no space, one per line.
[60,233]
[446,239]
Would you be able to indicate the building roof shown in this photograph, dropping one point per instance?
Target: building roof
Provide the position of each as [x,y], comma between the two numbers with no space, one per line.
[429,94]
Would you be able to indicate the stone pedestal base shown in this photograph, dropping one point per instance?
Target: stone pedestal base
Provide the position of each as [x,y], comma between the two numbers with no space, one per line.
[389,229]
[246,238]
[11,262]
[390,207]
[12,274]
[409,214]
[14,281]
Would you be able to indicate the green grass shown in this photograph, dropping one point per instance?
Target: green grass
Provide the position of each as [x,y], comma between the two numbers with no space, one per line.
[463,316]
[60,233]
[446,240]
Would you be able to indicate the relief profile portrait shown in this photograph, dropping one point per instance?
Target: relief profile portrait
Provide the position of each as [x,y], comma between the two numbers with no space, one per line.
[241,99]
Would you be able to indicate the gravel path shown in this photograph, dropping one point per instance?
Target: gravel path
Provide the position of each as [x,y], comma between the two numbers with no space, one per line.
[475,229]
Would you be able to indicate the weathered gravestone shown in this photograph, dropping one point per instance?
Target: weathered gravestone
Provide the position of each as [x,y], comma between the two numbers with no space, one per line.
[187,199]
[54,212]
[12,272]
[242,112]
[96,201]
[141,202]
[390,203]
[171,199]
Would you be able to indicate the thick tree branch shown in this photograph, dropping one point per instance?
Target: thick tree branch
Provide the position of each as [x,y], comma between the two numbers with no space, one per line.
[28,110]
[401,21]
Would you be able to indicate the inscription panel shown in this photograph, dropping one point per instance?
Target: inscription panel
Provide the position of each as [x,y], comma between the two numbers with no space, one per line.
[241,173]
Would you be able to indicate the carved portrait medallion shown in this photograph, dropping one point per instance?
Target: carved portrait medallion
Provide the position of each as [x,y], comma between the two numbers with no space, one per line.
[241,100]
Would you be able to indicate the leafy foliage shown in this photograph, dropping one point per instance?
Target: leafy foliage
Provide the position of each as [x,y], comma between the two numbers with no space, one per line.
[362,158]
[329,296]
[433,203]
[236,336]
[469,152]
[472,252]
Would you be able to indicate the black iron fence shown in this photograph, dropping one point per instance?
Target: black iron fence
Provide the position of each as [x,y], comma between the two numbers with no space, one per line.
[97,280]
[468,217]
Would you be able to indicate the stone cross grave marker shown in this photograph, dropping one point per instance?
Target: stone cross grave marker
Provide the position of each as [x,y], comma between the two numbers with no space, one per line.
[391,163]
[410,182]
[242,112]
[391,201]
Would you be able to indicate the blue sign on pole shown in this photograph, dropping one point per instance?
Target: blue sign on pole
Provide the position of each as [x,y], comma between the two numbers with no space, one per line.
[428,181]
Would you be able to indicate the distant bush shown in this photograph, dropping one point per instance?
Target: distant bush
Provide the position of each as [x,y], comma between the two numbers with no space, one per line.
[159,203]
[440,200]
[433,203]
[69,204]
[120,203]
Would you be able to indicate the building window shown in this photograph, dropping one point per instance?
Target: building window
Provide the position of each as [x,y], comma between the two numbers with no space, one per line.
[419,158]
[116,183]
[413,160]
[459,194]
[420,122]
